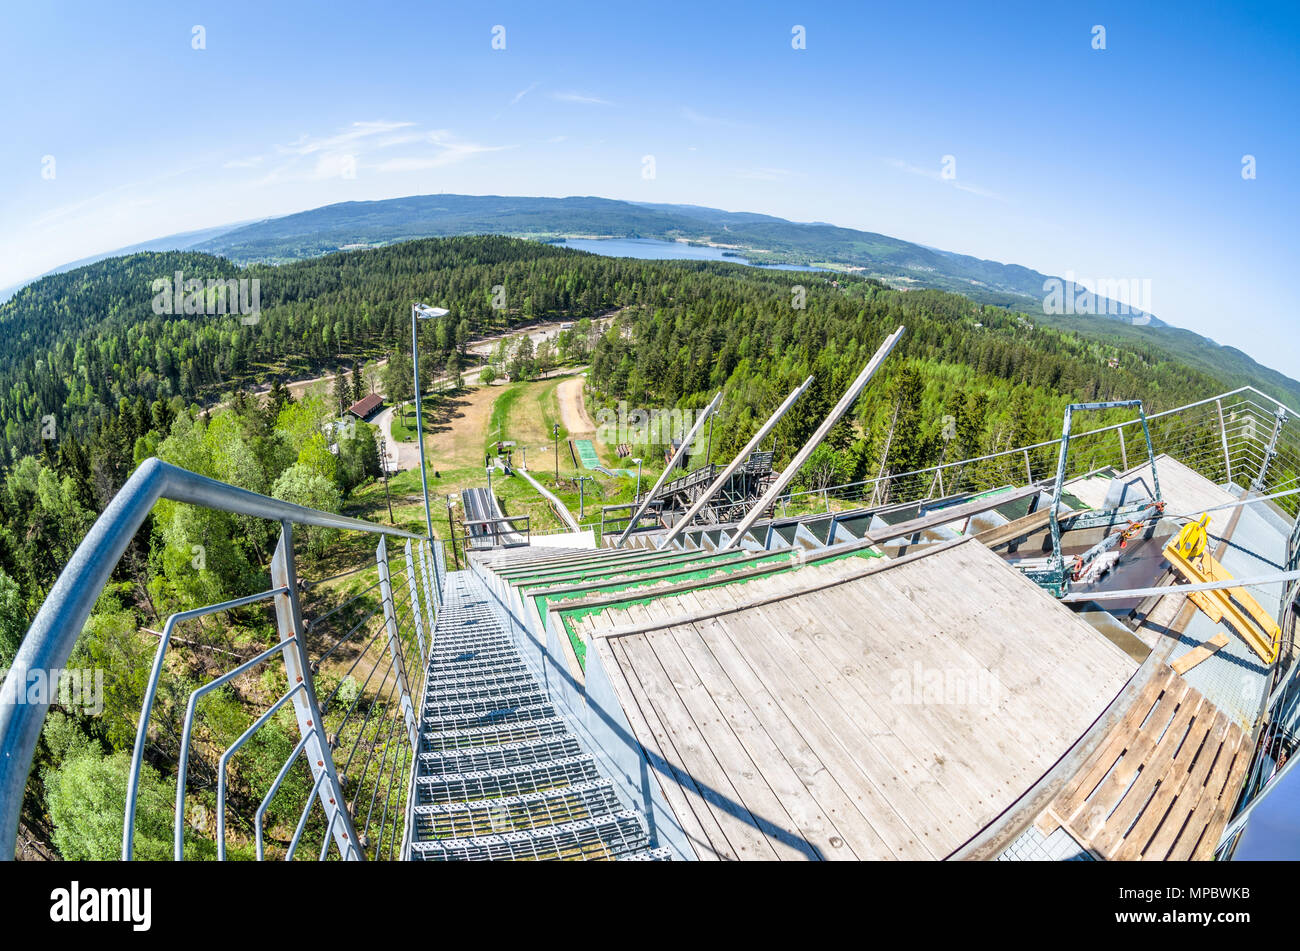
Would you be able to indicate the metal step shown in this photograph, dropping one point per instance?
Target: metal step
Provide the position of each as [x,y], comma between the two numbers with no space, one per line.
[445,708]
[443,693]
[514,673]
[473,737]
[551,807]
[512,781]
[502,756]
[503,716]
[611,836]
[499,775]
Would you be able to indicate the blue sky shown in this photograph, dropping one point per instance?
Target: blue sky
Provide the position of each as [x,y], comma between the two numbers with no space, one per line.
[1123,163]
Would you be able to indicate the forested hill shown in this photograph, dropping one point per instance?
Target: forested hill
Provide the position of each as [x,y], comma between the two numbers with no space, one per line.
[77,344]
[762,238]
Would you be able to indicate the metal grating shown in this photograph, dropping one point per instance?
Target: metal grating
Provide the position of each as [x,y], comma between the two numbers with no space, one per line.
[499,775]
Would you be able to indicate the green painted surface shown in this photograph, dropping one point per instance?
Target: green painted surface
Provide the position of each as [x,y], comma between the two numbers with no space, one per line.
[587,453]
[669,563]
[580,648]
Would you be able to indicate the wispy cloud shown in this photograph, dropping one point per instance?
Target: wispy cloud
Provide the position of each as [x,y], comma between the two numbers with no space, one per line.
[580,98]
[521,93]
[358,131]
[369,147]
[450,150]
[936,175]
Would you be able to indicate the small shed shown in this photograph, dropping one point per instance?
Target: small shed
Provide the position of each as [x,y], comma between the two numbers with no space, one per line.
[366,407]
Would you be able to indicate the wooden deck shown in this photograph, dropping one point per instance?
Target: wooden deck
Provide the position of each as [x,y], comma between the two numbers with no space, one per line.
[870,712]
[1162,783]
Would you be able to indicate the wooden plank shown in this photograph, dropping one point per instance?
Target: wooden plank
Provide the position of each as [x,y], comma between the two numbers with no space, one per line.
[695,758]
[1077,789]
[1137,801]
[813,625]
[944,593]
[745,775]
[1170,786]
[949,514]
[808,822]
[870,789]
[1206,800]
[1092,817]
[679,790]
[974,749]
[1188,792]
[931,735]
[1018,528]
[859,837]
[1221,791]
[1199,653]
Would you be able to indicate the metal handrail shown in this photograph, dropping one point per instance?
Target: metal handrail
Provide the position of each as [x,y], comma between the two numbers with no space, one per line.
[1251,433]
[53,634]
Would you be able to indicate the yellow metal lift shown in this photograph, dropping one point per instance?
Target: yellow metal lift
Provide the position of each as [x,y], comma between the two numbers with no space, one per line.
[1189,557]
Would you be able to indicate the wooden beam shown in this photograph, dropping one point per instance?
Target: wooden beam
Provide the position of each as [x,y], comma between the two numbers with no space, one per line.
[951,513]
[1001,534]
[840,408]
[735,464]
[1199,653]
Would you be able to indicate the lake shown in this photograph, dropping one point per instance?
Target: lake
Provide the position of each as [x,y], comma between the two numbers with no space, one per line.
[654,249]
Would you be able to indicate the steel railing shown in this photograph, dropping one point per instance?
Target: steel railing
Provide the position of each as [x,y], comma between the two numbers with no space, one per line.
[1243,437]
[345,674]
[364,649]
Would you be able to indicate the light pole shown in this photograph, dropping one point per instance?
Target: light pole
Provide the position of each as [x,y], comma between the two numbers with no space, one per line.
[422,312]
[582,483]
[451,531]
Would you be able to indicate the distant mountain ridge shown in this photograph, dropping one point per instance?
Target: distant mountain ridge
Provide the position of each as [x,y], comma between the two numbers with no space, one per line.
[763,239]
[760,238]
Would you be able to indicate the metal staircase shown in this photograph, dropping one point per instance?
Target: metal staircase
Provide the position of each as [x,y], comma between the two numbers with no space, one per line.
[499,775]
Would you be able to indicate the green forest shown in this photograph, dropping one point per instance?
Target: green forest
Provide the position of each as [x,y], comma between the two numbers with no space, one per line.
[92,382]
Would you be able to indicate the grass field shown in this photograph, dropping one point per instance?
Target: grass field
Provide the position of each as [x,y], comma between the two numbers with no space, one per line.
[461,428]
[403,427]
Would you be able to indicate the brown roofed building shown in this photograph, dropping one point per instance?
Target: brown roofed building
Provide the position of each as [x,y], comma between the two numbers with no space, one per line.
[364,408]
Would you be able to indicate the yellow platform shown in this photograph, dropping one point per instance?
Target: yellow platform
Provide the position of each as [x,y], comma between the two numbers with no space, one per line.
[1189,557]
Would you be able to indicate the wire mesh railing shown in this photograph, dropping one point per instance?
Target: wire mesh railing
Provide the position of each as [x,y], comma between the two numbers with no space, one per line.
[351,659]
[283,724]
[1242,437]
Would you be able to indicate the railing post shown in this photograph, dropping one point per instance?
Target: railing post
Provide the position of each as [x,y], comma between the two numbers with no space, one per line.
[432,594]
[1123,449]
[1029,473]
[1223,435]
[1279,417]
[288,617]
[416,601]
[394,644]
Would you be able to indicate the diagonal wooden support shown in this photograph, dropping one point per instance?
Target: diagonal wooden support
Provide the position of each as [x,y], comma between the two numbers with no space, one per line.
[1233,604]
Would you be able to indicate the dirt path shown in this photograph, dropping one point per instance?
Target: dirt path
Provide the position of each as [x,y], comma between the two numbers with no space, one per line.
[573,408]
